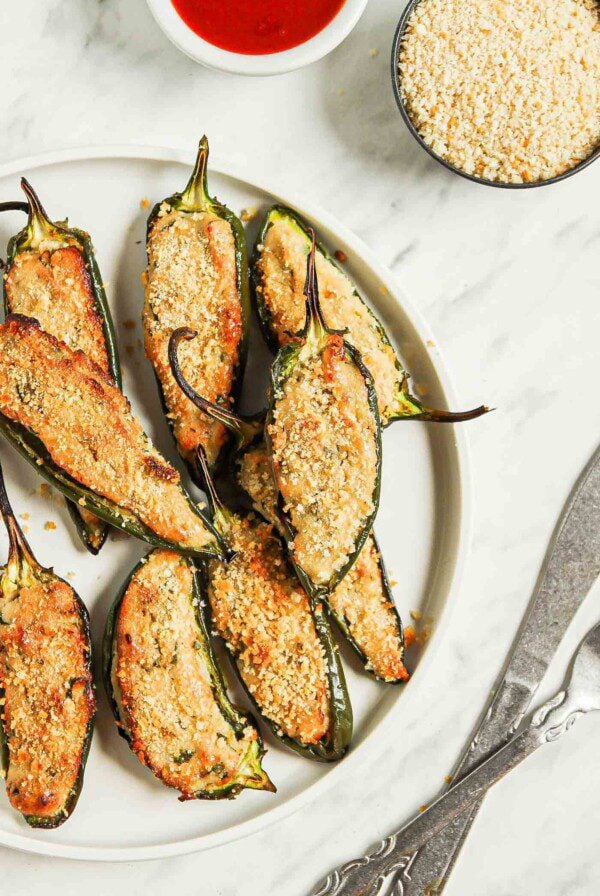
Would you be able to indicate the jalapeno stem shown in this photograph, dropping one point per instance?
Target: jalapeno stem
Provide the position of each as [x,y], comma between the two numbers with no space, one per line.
[39,226]
[245,430]
[220,514]
[315,322]
[14,206]
[18,545]
[195,196]
[408,407]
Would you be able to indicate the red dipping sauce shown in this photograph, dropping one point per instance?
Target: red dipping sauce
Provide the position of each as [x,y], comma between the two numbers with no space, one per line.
[257,27]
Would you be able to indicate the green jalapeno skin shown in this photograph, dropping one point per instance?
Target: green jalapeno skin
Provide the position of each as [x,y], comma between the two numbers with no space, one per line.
[405,406]
[335,743]
[236,718]
[245,432]
[21,562]
[93,533]
[282,367]
[196,198]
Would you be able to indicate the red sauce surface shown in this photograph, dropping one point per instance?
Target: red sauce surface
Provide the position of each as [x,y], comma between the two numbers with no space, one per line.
[256,27]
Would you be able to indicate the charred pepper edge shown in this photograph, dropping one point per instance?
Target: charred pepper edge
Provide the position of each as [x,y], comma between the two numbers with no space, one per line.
[408,406]
[92,537]
[281,369]
[200,200]
[335,744]
[240,443]
[19,546]
[236,717]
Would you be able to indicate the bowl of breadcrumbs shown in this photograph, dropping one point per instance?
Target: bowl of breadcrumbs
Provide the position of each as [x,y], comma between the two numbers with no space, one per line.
[503,92]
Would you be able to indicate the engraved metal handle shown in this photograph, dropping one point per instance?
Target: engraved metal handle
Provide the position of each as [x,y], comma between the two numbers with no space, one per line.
[367,875]
[569,570]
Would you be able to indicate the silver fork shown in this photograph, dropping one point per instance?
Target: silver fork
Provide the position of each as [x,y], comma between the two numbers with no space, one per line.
[580,694]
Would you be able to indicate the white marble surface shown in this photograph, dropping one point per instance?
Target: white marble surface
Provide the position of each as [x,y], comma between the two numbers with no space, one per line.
[509,283]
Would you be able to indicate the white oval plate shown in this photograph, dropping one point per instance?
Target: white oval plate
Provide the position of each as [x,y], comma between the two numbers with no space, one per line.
[124,813]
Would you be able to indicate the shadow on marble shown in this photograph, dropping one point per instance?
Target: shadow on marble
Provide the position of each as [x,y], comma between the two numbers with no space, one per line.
[359,103]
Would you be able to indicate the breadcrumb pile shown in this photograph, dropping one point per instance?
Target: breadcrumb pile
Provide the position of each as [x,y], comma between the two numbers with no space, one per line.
[506,90]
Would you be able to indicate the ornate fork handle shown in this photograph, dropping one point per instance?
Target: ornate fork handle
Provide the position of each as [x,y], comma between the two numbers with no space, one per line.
[366,876]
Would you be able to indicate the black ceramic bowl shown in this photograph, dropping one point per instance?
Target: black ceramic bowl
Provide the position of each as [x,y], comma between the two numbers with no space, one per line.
[407,120]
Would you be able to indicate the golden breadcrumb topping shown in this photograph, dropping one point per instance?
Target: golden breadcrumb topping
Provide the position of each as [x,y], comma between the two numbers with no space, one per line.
[54,287]
[361,598]
[255,476]
[263,614]
[47,695]
[324,442]
[87,427]
[282,266]
[164,685]
[191,281]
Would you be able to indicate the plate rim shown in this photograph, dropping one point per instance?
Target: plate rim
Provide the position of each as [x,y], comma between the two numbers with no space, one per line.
[161,153]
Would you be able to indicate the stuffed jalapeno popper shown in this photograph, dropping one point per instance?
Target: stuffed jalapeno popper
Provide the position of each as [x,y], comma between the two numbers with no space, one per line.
[278,272]
[52,276]
[323,435]
[166,690]
[75,426]
[279,640]
[362,604]
[197,277]
[46,686]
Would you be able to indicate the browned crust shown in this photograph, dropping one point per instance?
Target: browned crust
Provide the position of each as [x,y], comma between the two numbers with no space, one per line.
[191,281]
[323,436]
[164,686]
[281,264]
[48,696]
[87,427]
[362,600]
[55,288]
[263,614]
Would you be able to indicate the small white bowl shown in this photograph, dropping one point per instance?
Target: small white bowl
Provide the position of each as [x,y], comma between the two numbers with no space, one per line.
[269,64]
